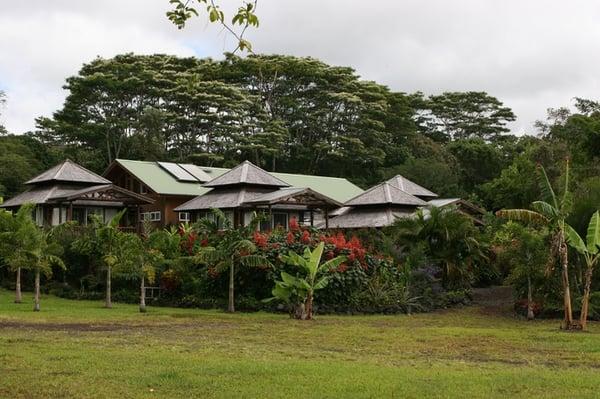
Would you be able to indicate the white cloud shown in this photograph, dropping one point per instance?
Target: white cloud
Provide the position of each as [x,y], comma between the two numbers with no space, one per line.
[531,54]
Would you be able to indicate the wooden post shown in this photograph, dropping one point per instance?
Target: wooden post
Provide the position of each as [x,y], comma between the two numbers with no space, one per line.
[312,218]
[138,224]
[70,212]
[326,218]
[271,217]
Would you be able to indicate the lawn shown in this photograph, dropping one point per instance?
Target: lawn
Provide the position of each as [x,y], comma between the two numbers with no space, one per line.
[79,349]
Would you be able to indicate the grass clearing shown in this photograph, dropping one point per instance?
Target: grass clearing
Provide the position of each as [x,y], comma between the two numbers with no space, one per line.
[79,349]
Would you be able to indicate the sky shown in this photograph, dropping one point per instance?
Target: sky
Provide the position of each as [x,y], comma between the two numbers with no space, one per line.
[532,55]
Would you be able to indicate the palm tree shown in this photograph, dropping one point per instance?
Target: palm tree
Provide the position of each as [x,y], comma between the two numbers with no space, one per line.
[15,238]
[26,246]
[43,254]
[233,247]
[552,212]
[591,254]
[103,241]
[300,290]
[450,239]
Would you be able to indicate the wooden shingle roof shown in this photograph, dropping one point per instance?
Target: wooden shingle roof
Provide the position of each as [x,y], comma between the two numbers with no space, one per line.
[385,193]
[68,171]
[411,187]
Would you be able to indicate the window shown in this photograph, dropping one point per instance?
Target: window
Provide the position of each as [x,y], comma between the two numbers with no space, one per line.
[184,216]
[155,216]
[151,216]
[280,219]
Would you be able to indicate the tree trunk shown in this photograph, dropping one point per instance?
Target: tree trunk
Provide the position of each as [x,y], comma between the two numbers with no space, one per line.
[36,305]
[308,309]
[108,303]
[585,301]
[18,296]
[530,314]
[231,305]
[564,258]
[142,296]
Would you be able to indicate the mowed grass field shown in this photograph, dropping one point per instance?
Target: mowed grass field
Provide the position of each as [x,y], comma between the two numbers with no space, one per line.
[79,349]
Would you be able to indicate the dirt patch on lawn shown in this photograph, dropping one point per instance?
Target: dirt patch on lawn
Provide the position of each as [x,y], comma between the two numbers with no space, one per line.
[64,326]
[106,327]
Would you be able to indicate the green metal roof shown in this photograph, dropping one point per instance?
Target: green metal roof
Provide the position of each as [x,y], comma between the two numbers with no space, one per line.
[162,182]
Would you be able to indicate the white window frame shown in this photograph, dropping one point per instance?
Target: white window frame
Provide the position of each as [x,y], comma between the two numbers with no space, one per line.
[184,217]
[155,216]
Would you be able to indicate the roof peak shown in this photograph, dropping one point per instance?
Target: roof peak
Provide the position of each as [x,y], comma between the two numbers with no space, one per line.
[68,171]
[410,187]
[385,193]
[246,173]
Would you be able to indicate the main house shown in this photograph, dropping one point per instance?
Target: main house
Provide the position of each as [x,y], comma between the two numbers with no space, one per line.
[171,185]
[169,193]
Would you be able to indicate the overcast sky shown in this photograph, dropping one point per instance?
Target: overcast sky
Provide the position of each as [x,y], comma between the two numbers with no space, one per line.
[530,54]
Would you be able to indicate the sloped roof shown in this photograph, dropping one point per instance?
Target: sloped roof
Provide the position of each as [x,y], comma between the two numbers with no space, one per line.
[162,182]
[302,196]
[356,218]
[69,192]
[246,173]
[231,197]
[385,193]
[158,179]
[411,187]
[68,171]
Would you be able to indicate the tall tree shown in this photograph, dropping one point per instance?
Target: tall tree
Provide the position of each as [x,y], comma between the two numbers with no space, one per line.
[460,115]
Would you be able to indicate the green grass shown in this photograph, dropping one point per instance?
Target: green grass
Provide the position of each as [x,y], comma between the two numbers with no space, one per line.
[79,349]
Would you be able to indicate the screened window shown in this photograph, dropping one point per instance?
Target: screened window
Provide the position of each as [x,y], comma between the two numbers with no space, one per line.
[280,219]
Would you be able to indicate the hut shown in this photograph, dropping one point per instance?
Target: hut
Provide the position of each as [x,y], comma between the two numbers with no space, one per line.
[69,192]
[378,207]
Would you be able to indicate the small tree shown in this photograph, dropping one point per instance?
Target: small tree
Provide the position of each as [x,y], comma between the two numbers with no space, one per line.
[551,212]
[299,290]
[232,247]
[103,241]
[26,246]
[139,260]
[591,254]
[16,236]
[43,254]
[522,249]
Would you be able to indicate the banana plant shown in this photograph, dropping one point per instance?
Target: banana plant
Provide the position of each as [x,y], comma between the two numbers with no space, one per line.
[552,212]
[300,290]
[591,254]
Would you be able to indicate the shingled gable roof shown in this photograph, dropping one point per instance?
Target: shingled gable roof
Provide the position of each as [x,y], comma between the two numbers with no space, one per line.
[411,187]
[68,171]
[385,193]
[246,173]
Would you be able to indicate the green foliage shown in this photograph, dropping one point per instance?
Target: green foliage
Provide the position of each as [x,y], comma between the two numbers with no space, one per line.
[299,290]
[450,240]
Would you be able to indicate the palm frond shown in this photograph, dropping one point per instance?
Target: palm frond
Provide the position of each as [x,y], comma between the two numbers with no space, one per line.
[522,215]
[593,233]
[546,187]
[545,209]
[574,239]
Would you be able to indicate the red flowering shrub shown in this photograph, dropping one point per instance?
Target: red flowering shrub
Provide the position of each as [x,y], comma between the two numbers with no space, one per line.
[290,238]
[294,226]
[260,239]
[305,239]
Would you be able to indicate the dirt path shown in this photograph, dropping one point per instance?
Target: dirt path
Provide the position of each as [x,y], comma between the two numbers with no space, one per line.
[496,300]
